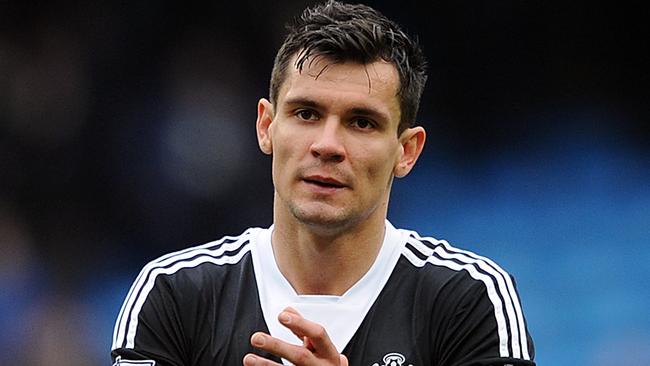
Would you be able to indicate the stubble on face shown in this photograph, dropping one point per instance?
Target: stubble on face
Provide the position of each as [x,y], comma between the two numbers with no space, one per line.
[332,215]
[371,167]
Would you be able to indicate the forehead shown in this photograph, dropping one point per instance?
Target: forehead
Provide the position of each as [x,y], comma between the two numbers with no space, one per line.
[346,83]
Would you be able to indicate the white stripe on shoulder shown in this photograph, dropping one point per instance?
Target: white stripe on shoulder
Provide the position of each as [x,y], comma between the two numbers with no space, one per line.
[213,252]
[485,270]
[161,261]
[505,286]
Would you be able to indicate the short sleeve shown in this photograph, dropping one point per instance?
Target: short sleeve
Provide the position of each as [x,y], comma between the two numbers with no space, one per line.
[149,326]
[486,328]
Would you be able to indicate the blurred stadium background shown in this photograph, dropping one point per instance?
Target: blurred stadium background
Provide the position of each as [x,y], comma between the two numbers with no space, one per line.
[127,131]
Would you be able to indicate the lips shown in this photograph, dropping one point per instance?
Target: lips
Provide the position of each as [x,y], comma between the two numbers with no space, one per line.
[325,182]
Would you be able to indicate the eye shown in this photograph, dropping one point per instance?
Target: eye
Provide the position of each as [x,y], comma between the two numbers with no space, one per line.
[306,114]
[363,123]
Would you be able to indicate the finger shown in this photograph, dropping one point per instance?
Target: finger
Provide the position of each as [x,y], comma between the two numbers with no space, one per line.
[303,338]
[317,338]
[298,355]
[289,309]
[343,360]
[292,312]
[286,315]
[255,360]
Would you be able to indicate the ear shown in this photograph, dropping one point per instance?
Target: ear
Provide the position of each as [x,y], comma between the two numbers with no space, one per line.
[263,124]
[412,142]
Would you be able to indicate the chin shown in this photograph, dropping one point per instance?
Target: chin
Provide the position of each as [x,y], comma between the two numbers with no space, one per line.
[324,220]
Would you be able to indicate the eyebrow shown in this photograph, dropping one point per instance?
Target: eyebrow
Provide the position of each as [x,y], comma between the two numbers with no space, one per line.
[362,111]
[302,101]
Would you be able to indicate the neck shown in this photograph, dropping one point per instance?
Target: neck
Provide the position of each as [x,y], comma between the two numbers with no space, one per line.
[326,263]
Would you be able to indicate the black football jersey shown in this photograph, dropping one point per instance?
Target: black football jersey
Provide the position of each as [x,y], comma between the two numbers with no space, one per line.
[423,302]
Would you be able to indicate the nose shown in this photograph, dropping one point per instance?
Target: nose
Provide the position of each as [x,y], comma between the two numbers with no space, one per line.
[328,142]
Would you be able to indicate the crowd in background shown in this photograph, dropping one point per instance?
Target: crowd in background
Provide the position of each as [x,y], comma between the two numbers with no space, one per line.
[127,131]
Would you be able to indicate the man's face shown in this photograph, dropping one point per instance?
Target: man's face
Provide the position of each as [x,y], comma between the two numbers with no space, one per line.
[333,138]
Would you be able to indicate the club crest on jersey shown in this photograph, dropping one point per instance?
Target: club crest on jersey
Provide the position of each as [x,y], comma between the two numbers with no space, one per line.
[393,359]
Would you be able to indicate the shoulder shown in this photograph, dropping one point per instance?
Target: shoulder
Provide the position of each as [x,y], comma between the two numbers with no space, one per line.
[472,287]
[194,263]
[428,252]
[461,272]
[459,276]
[193,268]
[184,278]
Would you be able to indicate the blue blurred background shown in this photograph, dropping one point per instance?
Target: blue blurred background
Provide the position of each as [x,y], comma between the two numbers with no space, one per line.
[127,131]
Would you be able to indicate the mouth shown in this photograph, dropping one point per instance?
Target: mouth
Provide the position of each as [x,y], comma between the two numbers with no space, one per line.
[324,182]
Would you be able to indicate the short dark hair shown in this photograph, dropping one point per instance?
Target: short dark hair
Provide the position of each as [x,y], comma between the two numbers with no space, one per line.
[345,32]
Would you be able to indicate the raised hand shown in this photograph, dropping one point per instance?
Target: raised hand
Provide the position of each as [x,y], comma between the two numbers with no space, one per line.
[317,348]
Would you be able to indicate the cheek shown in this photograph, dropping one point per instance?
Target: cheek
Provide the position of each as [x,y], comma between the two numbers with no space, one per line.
[379,166]
[280,146]
[281,163]
[286,156]
[287,141]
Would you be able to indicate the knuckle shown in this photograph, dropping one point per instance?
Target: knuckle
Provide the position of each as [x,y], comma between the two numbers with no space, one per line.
[302,356]
[320,332]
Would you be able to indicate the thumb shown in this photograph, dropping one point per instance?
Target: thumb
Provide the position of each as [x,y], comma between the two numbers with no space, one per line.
[343,360]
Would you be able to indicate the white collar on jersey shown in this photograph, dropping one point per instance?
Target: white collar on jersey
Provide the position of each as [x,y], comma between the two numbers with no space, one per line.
[340,315]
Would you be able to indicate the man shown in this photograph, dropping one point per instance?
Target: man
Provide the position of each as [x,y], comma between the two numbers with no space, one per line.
[331,282]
